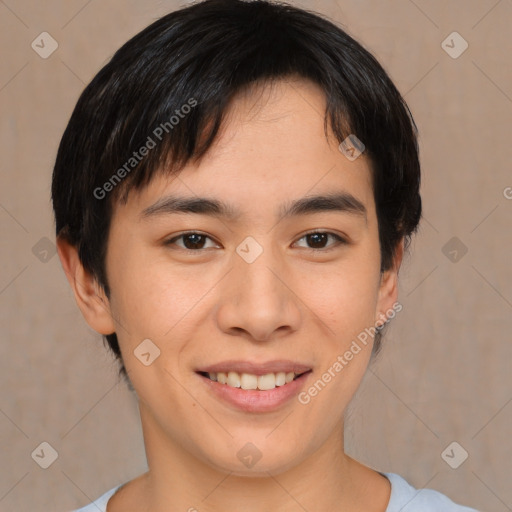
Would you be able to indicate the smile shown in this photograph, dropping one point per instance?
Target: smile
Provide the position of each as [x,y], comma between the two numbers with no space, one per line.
[260,392]
[249,381]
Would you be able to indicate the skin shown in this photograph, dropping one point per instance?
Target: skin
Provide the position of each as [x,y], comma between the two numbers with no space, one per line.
[293,302]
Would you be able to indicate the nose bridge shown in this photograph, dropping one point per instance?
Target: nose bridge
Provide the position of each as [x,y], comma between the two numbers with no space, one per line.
[257,299]
[256,268]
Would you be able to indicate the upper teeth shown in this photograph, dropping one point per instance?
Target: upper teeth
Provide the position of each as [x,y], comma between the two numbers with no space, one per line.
[250,381]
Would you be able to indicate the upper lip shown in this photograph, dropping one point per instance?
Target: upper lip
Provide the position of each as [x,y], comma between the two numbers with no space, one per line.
[263,368]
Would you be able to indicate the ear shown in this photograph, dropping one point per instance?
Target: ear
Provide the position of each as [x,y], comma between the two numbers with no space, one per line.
[388,288]
[89,295]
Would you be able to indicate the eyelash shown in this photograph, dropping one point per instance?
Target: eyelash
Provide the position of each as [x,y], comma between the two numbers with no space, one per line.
[340,241]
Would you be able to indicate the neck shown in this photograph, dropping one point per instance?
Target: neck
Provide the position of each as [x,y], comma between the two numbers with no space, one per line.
[326,480]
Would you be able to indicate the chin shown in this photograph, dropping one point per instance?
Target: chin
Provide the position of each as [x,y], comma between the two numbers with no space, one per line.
[253,459]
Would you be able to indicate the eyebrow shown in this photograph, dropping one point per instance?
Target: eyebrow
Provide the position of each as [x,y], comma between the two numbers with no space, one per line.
[342,202]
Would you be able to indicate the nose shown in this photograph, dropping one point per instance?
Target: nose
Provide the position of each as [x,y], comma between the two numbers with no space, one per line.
[258,301]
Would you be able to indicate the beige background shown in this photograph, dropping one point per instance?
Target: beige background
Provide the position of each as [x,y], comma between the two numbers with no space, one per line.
[444,374]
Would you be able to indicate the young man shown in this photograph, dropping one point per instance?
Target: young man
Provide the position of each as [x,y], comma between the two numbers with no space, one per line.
[233,197]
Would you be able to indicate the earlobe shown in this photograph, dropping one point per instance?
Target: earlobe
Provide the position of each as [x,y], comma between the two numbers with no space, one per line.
[89,295]
[388,291]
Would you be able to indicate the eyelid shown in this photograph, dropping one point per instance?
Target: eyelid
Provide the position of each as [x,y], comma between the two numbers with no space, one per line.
[340,239]
[171,241]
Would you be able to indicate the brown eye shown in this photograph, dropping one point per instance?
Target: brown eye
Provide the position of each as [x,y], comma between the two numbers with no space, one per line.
[191,241]
[317,240]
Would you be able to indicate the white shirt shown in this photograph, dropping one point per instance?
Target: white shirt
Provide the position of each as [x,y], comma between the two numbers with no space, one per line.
[404,498]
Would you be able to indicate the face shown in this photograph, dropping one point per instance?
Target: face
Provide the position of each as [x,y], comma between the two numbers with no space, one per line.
[256,287]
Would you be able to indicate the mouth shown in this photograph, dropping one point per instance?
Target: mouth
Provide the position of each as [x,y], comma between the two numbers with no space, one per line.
[250,381]
[255,388]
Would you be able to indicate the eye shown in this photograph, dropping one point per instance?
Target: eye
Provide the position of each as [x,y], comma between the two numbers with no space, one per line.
[195,242]
[192,241]
[319,238]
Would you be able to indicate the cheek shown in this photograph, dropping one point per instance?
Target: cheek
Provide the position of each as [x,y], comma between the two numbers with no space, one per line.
[155,300]
[344,296]
[137,297]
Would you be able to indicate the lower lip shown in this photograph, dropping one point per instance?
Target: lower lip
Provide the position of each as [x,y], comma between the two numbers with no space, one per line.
[253,400]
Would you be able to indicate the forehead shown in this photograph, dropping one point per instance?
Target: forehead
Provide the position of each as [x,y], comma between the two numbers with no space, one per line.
[271,147]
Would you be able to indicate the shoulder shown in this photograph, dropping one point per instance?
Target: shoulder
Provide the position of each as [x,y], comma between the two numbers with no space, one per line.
[99,505]
[405,498]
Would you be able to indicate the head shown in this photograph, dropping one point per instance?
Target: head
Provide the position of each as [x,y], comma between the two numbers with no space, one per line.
[245,104]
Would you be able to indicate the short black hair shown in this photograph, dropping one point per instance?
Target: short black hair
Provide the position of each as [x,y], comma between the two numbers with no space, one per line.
[169,87]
